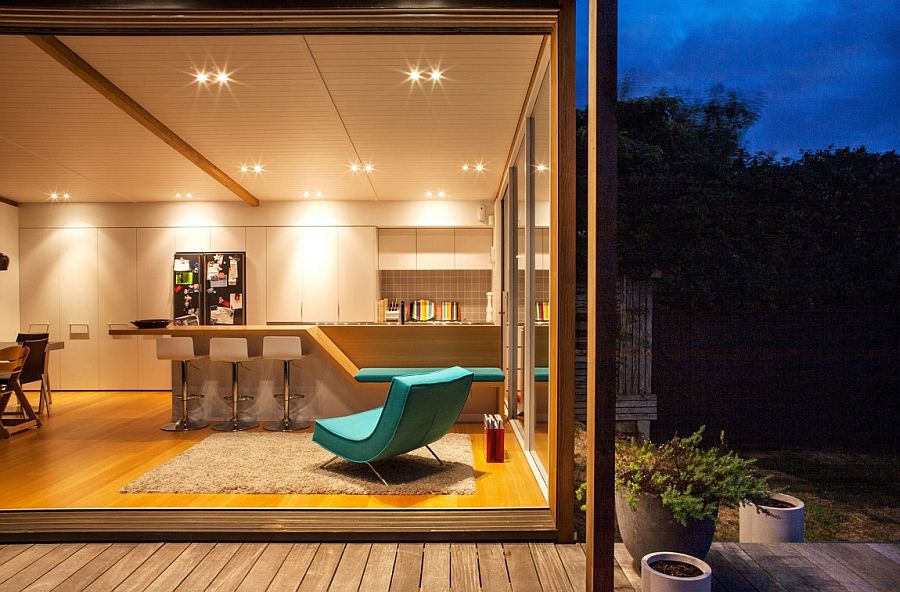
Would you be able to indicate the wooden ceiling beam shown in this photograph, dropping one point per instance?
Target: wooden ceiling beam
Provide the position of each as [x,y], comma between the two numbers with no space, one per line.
[78,66]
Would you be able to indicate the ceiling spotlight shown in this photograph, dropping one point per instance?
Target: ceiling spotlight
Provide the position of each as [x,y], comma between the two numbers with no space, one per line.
[223,78]
[201,77]
[244,168]
[306,194]
[435,75]
[318,194]
[369,167]
[188,195]
[479,167]
[258,169]
[354,168]
[65,196]
[466,168]
[440,194]
[177,195]
[54,196]
[414,75]
[541,168]
[428,194]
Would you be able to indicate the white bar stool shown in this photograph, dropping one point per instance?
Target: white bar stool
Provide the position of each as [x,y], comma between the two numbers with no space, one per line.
[180,349]
[234,350]
[286,349]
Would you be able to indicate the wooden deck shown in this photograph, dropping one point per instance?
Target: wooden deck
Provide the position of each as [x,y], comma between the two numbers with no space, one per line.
[431,567]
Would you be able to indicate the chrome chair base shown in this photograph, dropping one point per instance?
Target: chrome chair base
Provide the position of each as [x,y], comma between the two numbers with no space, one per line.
[286,425]
[183,426]
[234,426]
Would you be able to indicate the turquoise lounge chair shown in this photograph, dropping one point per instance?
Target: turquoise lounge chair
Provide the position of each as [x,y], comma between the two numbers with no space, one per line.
[419,410]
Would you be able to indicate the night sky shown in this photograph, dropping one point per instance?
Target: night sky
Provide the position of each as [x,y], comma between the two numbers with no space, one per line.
[824,71]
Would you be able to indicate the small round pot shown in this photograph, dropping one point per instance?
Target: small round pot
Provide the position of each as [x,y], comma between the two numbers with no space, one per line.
[781,525]
[651,527]
[655,581]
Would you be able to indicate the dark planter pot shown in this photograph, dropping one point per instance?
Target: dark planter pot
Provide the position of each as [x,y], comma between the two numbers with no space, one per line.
[651,528]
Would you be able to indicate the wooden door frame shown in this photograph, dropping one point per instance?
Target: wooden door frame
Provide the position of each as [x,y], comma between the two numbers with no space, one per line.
[546,17]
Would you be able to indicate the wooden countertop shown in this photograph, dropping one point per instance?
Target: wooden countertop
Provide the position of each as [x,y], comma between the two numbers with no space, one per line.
[249,330]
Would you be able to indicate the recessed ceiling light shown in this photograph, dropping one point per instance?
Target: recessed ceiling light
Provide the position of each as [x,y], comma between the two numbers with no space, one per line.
[369,167]
[479,167]
[201,77]
[541,168]
[258,169]
[466,168]
[244,168]
[415,75]
[318,194]
[354,168]
[428,194]
[223,77]
[440,194]
[177,195]
[54,196]
[65,196]
[436,75]
[306,194]
[188,195]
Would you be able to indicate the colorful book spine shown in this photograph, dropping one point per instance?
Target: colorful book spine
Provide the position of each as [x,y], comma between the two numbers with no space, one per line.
[494,439]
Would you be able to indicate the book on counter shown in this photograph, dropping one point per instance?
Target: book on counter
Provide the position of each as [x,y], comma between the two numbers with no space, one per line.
[494,446]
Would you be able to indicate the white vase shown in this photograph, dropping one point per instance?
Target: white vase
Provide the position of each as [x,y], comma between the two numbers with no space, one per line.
[654,581]
[781,525]
[489,308]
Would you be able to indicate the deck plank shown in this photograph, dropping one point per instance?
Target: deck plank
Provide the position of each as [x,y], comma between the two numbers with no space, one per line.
[208,568]
[151,568]
[520,564]
[87,573]
[573,560]
[237,568]
[749,569]
[550,570]
[436,567]
[180,567]
[27,572]
[294,567]
[23,559]
[848,578]
[463,568]
[812,574]
[379,568]
[7,552]
[349,572]
[870,565]
[67,567]
[626,564]
[492,568]
[321,570]
[889,550]
[123,568]
[263,571]
[621,582]
[729,578]
[775,565]
[407,568]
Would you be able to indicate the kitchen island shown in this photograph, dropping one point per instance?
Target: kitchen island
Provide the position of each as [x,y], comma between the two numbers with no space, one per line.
[327,376]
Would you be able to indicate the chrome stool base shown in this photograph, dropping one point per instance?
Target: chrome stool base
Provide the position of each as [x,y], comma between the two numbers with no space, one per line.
[234,426]
[286,425]
[183,426]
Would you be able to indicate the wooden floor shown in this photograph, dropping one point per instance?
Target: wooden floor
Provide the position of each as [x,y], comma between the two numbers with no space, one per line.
[97,442]
[432,567]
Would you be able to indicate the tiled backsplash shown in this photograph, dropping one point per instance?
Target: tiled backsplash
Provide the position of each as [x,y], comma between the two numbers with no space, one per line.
[541,288]
[468,287]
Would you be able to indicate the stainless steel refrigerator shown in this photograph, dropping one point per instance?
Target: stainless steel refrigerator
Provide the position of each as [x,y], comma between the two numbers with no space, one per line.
[210,287]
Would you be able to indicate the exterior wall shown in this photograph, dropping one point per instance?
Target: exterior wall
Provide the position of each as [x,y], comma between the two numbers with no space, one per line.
[9,280]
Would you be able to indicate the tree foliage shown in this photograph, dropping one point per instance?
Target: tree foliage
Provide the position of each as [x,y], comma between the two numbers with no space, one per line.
[727,230]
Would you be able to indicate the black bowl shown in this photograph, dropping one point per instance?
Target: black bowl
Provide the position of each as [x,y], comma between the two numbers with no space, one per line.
[151,323]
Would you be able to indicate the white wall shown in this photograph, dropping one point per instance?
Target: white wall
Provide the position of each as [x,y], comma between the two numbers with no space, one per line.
[9,280]
[391,214]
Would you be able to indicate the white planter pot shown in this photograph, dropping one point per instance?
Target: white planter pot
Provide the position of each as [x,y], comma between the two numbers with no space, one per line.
[781,525]
[654,581]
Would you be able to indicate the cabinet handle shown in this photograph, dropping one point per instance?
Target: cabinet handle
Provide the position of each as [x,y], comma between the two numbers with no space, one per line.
[79,328]
[112,324]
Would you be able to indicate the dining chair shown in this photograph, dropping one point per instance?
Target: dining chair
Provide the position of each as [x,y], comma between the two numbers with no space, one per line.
[35,369]
[12,361]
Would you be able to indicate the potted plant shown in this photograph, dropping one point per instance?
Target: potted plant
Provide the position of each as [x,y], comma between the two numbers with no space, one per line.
[674,572]
[668,495]
[775,519]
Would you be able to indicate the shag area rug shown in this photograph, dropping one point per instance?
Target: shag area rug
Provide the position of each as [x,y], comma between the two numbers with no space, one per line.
[285,463]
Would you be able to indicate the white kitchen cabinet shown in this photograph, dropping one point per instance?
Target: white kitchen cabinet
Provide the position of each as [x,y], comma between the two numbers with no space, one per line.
[192,239]
[284,272]
[78,308]
[434,248]
[155,256]
[472,248]
[39,286]
[255,305]
[319,252]
[117,303]
[397,248]
[227,238]
[357,273]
